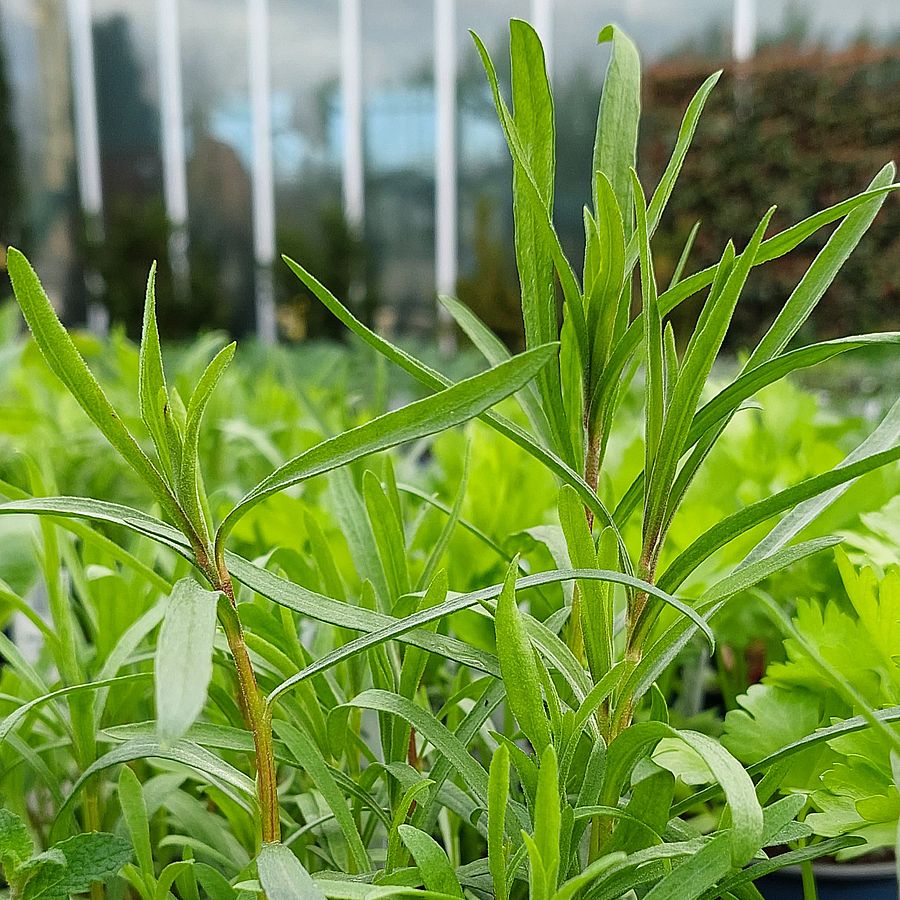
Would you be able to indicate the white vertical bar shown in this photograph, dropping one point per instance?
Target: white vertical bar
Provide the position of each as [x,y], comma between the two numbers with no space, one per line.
[87,138]
[263,179]
[743,32]
[445,159]
[172,129]
[87,145]
[353,178]
[542,20]
[171,112]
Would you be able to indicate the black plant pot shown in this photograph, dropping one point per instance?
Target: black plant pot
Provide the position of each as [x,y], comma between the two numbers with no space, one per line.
[835,881]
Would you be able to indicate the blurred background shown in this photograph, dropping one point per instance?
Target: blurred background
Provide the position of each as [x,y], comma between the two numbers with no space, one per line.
[359,136]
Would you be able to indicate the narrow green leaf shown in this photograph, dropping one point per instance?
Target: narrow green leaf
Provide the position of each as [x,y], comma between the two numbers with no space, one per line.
[188,480]
[596,603]
[729,399]
[235,783]
[615,143]
[547,819]
[654,392]
[633,743]
[678,271]
[441,738]
[538,888]
[134,814]
[486,341]
[68,365]
[283,876]
[394,851]
[682,144]
[498,797]
[469,728]
[696,366]
[819,736]
[495,352]
[435,381]
[388,531]
[776,246]
[323,609]
[534,166]
[698,872]
[658,657]
[536,134]
[791,858]
[18,714]
[309,759]
[772,248]
[531,193]
[413,668]
[742,521]
[799,306]
[433,864]
[604,291]
[589,876]
[821,273]
[885,437]
[152,391]
[519,668]
[214,882]
[128,642]
[459,403]
[349,509]
[670,363]
[183,666]
[169,875]
[440,545]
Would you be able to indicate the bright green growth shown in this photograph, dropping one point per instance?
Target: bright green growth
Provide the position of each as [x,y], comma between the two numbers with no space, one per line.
[184,658]
[69,867]
[840,663]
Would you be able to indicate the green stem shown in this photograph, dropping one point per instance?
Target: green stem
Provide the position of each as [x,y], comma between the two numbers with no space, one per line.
[809,881]
[592,468]
[258,716]
[636,636]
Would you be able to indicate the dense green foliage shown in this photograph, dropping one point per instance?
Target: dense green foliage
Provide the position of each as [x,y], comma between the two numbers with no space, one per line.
[451,660]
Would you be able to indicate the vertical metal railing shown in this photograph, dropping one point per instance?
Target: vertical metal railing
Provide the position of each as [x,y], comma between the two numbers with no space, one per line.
[174,165]
[87,146]
[87,150]
[542,20]
[353,161]
[445,160]
[743,30]
[263,181]
[353,185]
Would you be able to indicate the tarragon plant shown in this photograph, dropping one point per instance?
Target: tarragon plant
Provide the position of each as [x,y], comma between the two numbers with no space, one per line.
[567,801]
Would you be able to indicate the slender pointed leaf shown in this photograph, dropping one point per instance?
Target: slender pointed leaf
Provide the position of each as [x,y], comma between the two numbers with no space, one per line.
[459,403]
[184,665]
[283,876]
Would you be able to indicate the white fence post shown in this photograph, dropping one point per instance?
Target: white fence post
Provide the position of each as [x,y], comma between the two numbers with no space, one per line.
[172,135]
[446,242]
[263,178]
[87,149]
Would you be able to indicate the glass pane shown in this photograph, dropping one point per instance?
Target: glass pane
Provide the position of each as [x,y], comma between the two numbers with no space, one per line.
[399,125]
[38,204]
[487,275]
